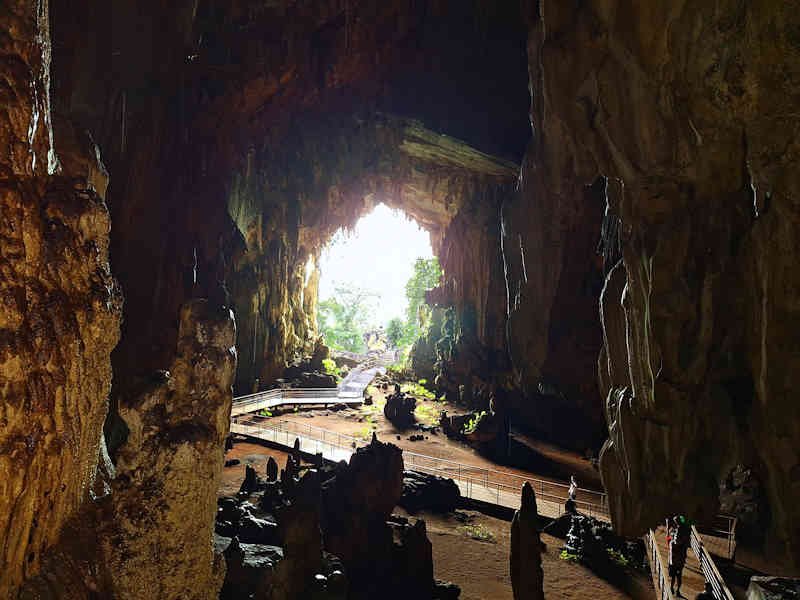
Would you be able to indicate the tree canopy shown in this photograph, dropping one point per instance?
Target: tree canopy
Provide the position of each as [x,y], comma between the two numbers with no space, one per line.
[342,319]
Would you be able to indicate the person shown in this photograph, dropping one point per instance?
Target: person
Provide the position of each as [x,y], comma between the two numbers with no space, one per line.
[570,506]
[678,538]
[707,594]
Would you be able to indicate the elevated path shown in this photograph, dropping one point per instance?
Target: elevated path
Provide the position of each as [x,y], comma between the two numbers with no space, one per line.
[477,483]
[350,390]
[699,569]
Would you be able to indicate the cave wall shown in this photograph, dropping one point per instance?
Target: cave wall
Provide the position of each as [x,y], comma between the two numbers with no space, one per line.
[687,109]
[59,305]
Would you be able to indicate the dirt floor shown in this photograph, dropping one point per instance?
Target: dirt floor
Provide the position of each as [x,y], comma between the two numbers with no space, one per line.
[472,549]
[469,548]
[254,455]
[539,459]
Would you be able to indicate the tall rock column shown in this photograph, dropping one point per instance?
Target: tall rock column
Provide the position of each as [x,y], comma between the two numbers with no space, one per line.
[158,543]
[527,578]
[59,306]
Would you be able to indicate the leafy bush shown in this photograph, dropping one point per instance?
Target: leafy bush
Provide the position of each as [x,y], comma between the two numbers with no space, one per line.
[618,557]
[471,425]
[329,366]
[415,389]
[565,555]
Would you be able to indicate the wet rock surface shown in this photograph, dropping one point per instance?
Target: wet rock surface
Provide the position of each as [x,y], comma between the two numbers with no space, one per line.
[59,305]
[168,468]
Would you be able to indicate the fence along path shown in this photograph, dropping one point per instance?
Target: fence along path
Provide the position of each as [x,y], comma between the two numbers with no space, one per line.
[349,391]
[699,569]
[478,483]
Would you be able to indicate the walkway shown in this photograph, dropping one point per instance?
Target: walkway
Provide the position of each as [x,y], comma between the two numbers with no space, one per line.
[494,487]
[350,390]
[699,568]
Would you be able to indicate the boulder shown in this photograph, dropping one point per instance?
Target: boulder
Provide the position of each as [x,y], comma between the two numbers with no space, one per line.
[399,408]
[424,491]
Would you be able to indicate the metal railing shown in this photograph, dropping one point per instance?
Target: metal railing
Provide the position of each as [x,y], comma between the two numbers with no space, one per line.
[357,380]
[478,483]
[710,572]
[657,569]
[720,536]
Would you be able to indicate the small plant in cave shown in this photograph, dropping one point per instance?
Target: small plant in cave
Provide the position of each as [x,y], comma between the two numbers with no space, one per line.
[427,414]
[569,556]
[415,389]
[471,425]
[478,532]
[330,368]
[264,413]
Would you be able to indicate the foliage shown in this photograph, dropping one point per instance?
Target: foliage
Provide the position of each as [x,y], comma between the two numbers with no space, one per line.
[329,366]
[569,556]
[478,532]
[427,414]
[471,425]
[395,331]
[264,413]
[342,319]
[416,389]
[618,557]
[403,332]
[427,274]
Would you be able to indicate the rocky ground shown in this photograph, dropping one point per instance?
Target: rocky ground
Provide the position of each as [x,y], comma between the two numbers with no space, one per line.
[472,549]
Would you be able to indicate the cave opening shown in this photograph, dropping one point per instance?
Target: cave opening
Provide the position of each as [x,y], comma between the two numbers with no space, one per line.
[370,282]
[171,173]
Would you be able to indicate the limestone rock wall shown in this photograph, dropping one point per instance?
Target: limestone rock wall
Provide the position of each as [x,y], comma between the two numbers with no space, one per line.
[687,109]
[59,305]
[157,540]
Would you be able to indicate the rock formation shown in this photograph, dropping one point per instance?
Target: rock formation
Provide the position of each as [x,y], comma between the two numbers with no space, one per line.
[685,110]
[168,469]
[527,578]
[59,305]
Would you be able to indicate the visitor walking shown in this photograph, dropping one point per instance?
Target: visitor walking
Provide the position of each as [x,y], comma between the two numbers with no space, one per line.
[678,538]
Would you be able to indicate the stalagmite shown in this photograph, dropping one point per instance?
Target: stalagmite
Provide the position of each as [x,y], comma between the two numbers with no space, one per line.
[526,549]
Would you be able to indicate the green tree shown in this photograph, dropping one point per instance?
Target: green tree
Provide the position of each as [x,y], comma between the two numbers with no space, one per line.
[427,274]
[395,331]
[342,318]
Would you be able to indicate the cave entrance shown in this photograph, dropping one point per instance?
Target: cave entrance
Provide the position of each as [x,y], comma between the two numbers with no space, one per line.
[372,283]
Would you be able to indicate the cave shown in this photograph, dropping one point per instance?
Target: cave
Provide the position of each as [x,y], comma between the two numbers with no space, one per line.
[607,185]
